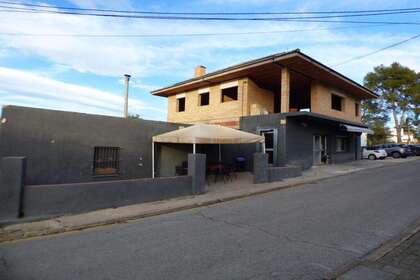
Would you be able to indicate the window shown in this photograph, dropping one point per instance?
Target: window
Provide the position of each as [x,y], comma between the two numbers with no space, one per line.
[356,109]
[336,102]
[204,99]
[106,160]
[341,144]
[180,104]
[229,94]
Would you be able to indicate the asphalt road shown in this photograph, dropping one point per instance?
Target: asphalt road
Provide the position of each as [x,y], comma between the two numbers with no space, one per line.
[298,233]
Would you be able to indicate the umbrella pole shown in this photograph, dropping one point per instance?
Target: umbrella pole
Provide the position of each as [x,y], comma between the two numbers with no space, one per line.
[194,148]
[153,159]
[220,153]
[263,147]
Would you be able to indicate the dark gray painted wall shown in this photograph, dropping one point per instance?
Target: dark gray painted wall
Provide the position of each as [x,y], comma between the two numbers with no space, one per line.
[255,123]
[197,170]
[47,200]
[300,134]
[263,172]
[169,156]
[59,145]
[58,199]
[295,139]
[11,187]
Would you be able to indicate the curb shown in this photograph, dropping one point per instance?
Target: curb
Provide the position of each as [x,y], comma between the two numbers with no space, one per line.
[377,253]
[54,226]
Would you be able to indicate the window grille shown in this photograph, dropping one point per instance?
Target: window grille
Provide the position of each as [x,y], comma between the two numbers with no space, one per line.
[106,160]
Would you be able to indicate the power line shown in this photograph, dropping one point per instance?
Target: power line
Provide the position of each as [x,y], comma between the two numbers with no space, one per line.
[58,11]
[205,13]
[377,51]
[177,34]
[291,19]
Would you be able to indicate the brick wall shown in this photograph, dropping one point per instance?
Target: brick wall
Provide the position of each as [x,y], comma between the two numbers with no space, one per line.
[252,100]
[321,102]
[216,111]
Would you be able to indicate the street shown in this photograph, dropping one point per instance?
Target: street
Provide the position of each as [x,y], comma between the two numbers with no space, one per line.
[298,233]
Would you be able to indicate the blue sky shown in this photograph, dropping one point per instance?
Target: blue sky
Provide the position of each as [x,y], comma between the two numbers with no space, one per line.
[84,74]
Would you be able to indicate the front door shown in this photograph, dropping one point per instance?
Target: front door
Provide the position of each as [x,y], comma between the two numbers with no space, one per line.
[320,149]
[270,139]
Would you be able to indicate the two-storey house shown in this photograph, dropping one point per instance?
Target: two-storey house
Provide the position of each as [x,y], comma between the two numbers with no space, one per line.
[308,112]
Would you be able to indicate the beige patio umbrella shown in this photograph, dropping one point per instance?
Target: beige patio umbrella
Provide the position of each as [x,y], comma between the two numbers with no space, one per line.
[206,134]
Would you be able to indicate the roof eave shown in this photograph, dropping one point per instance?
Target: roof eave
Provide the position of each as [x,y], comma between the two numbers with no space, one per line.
[259,62]
[226,71]
[335,73]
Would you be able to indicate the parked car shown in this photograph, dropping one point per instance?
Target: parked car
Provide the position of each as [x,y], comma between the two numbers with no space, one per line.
[372,154]
[393,150]
[410,151]
[415,149]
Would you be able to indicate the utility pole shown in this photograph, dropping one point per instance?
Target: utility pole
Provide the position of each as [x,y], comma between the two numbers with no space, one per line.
[126,80]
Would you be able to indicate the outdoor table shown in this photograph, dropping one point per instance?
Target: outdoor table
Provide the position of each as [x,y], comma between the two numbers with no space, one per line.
[219,169]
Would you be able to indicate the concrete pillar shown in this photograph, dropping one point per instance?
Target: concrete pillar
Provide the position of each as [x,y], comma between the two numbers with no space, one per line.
[281,143]
[11,187]
[260,162]
[357,146]
[285,90]
[197,170]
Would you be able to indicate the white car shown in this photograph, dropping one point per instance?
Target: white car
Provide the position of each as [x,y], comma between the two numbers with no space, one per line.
[372,154]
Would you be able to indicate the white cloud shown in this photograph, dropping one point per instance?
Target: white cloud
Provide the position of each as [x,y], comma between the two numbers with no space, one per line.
[146,57]
[27,89]
[407,55]
[173,58]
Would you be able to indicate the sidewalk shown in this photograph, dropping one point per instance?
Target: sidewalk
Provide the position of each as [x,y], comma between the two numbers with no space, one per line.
[402,263]
[219,192]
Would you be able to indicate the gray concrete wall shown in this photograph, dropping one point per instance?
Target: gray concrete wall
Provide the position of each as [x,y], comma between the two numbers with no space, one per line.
[59,146]
[49,200]
[12,180]
[197,170]
[283,172]
[300,142]
[255,123]
[169,156]
[260,169]
[295,139]
[58,199]
[264,173]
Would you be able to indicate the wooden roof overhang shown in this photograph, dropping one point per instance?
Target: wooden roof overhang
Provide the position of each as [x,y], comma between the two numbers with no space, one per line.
[267,71]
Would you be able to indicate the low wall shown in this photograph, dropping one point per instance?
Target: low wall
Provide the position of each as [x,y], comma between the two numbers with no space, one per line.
[280,173]
[46,200]
[18,199]
[264,173]
[12,179]
[343,157]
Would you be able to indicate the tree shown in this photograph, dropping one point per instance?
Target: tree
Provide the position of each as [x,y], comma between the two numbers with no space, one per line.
[375,116]
[409,129]
[398,87]
[134,116]
[381,134]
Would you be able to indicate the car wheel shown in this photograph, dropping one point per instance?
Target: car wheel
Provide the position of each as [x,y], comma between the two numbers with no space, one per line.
[372,157]
[396,155]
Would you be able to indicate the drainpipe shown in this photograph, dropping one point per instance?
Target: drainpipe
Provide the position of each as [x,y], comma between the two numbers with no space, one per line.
[126,80]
